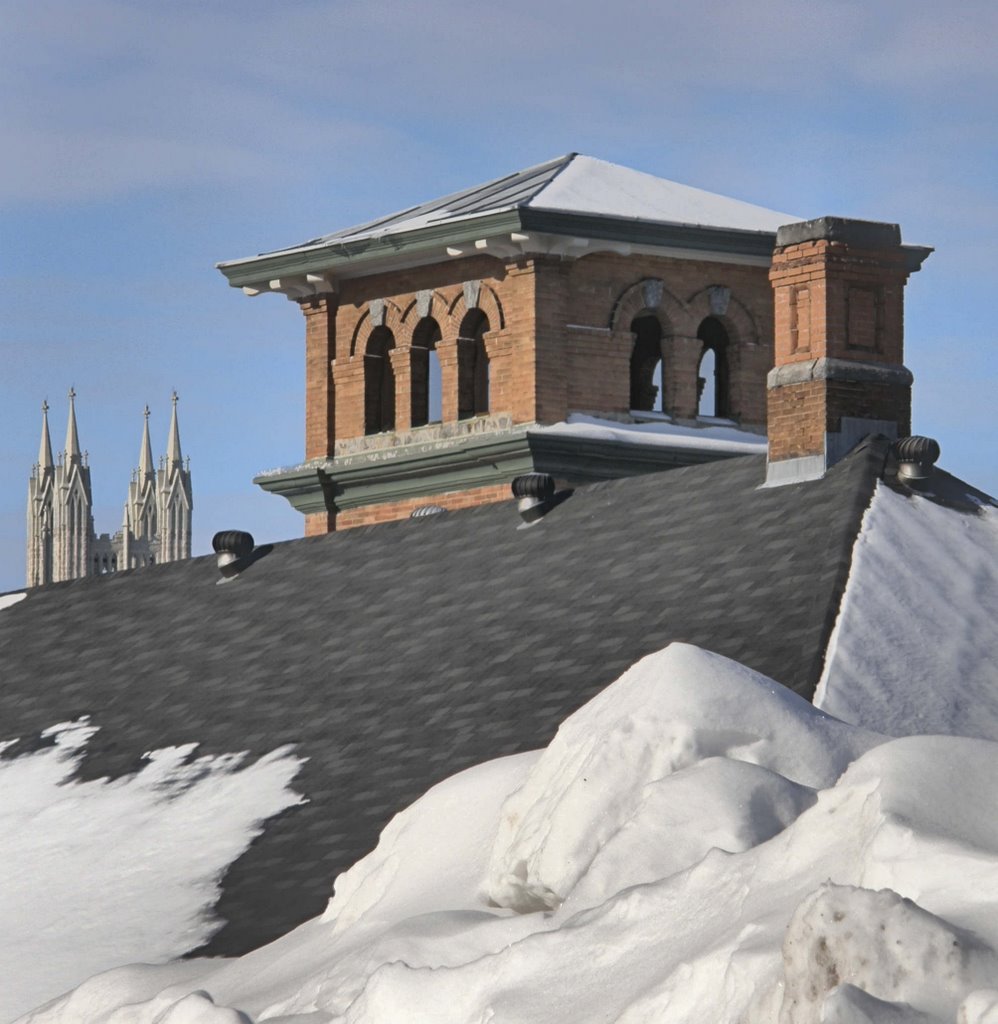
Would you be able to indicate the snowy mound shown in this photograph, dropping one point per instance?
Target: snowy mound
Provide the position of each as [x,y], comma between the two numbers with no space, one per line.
[697,845]
[610,773]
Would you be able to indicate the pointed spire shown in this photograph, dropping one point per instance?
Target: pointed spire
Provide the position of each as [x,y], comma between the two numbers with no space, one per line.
[72,438]
[45,460]
[145,451]
[174,460]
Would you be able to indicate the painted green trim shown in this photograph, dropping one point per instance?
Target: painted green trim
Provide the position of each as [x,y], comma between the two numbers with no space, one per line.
[582,460]
[302,486]
[463,464]
[400,474]
[337,255]
[390,475]
[645,232]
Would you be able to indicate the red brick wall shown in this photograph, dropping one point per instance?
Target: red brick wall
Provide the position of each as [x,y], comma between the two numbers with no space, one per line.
[320,346]
[835,301]
[559,340]
[369,515]
[831,300]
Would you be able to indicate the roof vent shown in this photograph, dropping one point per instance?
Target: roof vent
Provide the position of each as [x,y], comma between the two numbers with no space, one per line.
[426,510]
[534,493]
[916,456]
[231,548]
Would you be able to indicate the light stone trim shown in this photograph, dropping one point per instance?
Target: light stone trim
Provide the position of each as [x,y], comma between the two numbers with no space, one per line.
[826,368]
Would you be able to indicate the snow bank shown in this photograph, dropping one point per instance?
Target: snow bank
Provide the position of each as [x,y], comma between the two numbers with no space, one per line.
[914,648]
[860,944]
[97,873]
[610,769]
[702,846]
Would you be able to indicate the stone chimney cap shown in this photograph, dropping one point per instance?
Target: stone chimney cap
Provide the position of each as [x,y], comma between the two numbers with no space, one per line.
[864,234]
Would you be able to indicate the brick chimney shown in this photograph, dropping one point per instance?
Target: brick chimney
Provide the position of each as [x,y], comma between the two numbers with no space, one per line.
[839,342]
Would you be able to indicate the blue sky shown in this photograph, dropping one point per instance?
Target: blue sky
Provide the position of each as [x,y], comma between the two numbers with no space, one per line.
[143,142]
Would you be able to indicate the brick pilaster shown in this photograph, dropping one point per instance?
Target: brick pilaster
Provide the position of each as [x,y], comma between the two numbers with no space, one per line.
[320,350]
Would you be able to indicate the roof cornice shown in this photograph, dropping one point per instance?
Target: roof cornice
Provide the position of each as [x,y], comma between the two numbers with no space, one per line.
[519,232]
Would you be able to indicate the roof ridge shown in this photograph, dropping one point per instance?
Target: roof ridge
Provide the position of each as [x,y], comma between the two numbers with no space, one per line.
[566,161]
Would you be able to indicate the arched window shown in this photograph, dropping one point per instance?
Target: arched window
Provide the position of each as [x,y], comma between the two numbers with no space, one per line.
[647,392]
[472,366]
[712,374]
[379,382]
[426,403]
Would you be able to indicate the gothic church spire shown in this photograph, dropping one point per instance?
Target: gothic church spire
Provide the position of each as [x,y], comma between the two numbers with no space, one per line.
[145,451]
[72,450]
[45,460]
[173,456]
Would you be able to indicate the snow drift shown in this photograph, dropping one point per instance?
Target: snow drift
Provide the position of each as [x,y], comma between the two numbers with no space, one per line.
[697,844]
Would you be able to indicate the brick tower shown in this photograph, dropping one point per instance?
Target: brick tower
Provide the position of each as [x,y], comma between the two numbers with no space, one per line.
[462,342]
[839,369]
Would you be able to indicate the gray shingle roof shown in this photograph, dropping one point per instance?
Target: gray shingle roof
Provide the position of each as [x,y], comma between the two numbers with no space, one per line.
[395,655]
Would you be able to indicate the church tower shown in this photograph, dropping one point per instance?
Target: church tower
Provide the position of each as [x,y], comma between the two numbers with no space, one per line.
[72,519]
[156,520]
[175,498]
[40,501]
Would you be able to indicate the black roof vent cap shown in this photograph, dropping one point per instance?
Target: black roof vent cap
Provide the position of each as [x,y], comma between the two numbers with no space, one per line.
[916,456]
[232,547]
[426,510]
[534,493]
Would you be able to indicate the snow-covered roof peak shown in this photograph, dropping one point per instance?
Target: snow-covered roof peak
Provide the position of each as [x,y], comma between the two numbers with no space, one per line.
[585,184]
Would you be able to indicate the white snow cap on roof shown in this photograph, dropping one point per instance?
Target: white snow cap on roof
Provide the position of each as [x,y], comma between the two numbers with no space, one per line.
[588,185]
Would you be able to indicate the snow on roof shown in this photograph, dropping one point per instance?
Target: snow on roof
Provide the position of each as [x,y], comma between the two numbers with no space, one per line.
[573,184]
[664,435]
[922,590]
[588,185]
[65,838]
[696,844]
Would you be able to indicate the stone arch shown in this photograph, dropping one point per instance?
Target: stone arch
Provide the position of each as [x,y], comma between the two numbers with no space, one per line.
[646,362]
[732,313]
[392,319]
[425,378]
[473,364]
[437,307]
[650,295]
[379,380]
[487,301]
[716,302]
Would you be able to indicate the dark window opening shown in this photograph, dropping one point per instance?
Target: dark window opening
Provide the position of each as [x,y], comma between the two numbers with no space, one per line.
[426,400]
[647,392]
[472,366]
[379,382]
[713,396]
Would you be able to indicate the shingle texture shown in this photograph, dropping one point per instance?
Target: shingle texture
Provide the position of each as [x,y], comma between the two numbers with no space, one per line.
[393,656]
